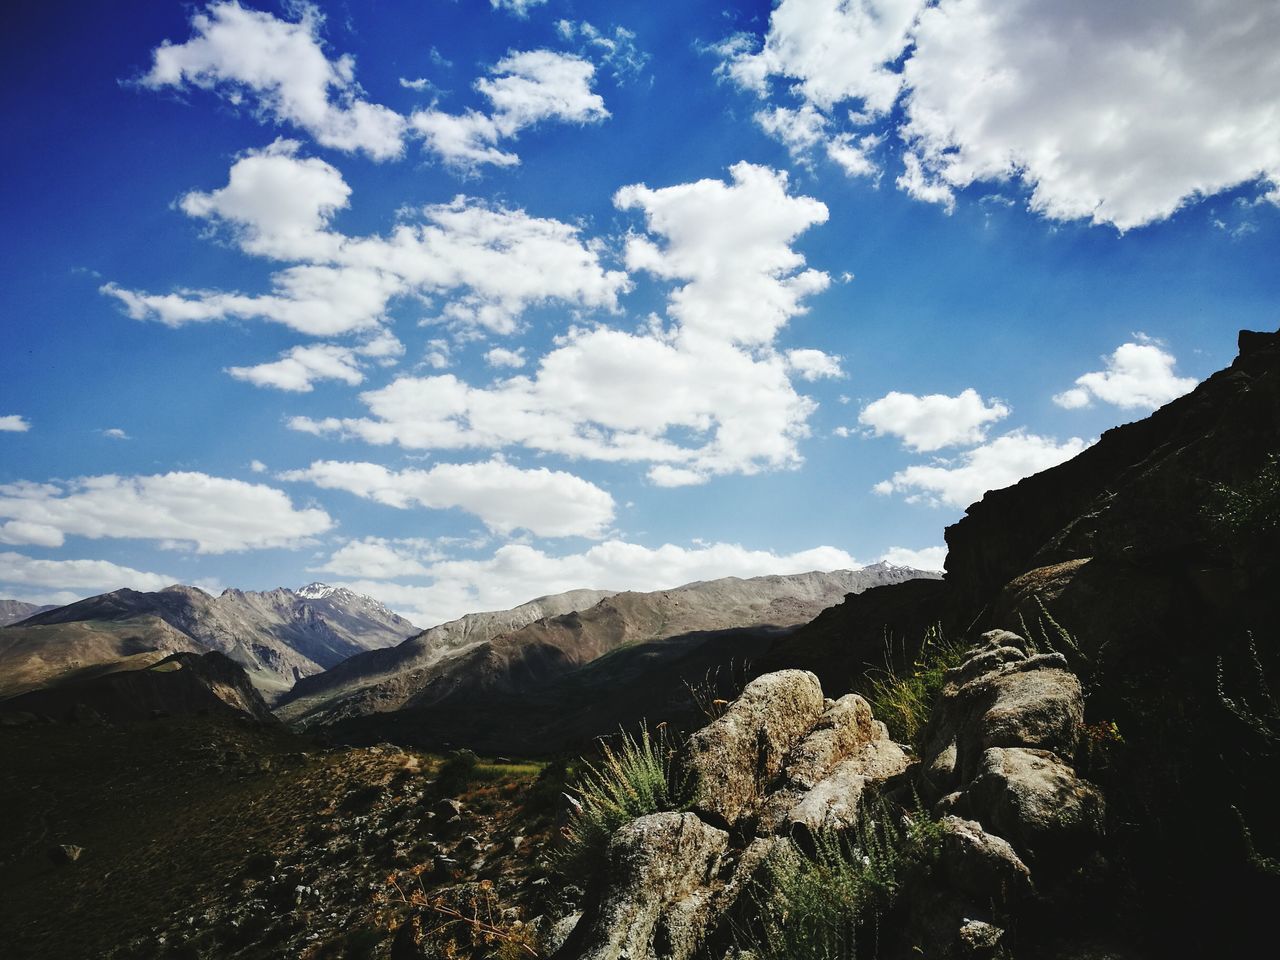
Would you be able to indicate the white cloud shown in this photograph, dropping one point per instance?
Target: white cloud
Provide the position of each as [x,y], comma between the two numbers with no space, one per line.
[707,396]
[214,514]
[617,51]
[547,503]
[523,90]
[78,577]
[115,433]
[276,203]
[930,558]
[379,558]
[825,52]
[1136,376]
[282,68]
[519,8]
[1118,113]
[299,368]
[492,263]
[257,466]
[1114,113]
[502,357]
[992,466]
[516,573]
[814,364]
[934,421]
[12,423]
[731,243]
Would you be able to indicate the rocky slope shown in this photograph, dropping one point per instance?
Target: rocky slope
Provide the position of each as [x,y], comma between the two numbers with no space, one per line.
[15,611]
[179,684]
[277,635]
[40,656]
[525,670]
[367,675]
[1150,560]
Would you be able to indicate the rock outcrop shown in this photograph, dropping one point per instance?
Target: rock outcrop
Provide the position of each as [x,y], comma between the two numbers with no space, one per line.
[783,769]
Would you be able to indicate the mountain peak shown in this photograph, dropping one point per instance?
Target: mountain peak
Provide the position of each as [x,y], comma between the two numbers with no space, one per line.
[316,591]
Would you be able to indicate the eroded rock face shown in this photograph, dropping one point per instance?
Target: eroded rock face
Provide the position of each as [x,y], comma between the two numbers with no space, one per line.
[733,760]
[1001,697]
[659,889]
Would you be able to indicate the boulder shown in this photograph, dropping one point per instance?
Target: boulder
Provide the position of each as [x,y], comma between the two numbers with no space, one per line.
[732,760]
[1036,801]
[1001,697]
[845,725]
[658,889]
[981,865]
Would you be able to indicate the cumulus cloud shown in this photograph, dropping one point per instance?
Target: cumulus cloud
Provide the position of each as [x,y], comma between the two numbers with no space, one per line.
[502,357]
[1113,113]
[929,558]
[115,433]
[179,509]
[934,421]
[13,423]
[77,578]
[379,558]
[298,368]
[825,53]
[493,263]
[547,503]
[1117,114]
[516,573]
[814,364]
[281,68]
[731,244]
[523,90]
[992,466]
[707,395]
[1136,376]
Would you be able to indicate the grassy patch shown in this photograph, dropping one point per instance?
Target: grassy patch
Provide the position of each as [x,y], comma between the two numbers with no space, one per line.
[635,777]
[903,699]
[824,905]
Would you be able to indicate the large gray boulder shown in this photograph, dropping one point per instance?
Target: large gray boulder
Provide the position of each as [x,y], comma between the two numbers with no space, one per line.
[836,801]
[660,883]
[1035,800]
[733,760]
[845,725]
[1001,697]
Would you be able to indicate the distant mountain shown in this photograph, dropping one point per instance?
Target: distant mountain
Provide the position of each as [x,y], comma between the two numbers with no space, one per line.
[461,666]
[276,635]
[15,611]
[177,685]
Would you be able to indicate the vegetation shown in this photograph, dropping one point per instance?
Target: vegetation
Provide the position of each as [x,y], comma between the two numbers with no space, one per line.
[719,686]
[824,905]
[1251,508]
[904,699]
[634,778]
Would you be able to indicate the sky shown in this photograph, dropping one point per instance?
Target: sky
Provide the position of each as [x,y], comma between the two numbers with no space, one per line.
[463,302]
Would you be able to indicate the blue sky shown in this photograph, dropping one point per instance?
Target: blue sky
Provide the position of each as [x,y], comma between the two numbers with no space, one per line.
[465,302]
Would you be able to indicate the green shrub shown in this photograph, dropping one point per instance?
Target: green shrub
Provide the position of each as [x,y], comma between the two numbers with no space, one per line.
[820,906]
[904,699]
[635,778]
[1250,508]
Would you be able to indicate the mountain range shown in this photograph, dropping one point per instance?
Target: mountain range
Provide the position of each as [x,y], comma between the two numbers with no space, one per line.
[277,636]
[570,676]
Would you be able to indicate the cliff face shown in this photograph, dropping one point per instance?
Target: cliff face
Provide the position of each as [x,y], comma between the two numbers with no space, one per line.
[1123,558]
[1138,493]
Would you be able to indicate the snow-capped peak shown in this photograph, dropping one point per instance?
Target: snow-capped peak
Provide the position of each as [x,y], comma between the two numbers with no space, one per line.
[316,591]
